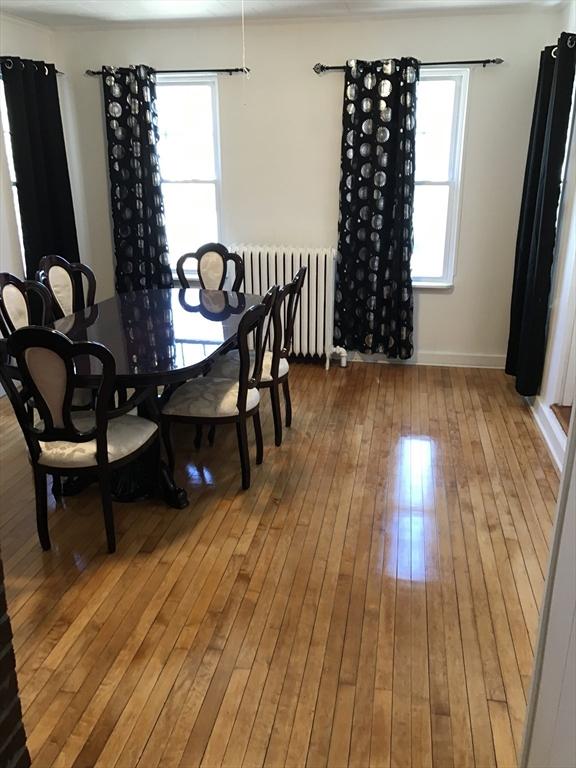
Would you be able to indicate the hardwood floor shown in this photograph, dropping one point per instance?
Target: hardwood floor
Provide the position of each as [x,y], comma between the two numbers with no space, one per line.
[563,414]
[372,600]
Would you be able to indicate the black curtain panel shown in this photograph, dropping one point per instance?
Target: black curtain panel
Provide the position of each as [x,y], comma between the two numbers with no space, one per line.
[13,749]
[374,303]
[41,168]
[538,216]
[136,194]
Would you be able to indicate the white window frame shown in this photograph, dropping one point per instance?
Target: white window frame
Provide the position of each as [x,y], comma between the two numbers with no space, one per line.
[9,157]
[187,78]
[460,76]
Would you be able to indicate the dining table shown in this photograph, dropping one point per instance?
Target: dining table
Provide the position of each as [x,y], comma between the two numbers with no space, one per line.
[159,338]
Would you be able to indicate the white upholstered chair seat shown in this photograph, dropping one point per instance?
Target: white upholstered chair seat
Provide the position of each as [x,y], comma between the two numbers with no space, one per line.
[228,366]
[208,397]
[125,435]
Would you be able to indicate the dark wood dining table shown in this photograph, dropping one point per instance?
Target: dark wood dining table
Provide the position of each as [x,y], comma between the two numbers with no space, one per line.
[158,338]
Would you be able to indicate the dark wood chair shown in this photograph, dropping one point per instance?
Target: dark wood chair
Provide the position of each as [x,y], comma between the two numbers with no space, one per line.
[215,401]
[66,442]
[214,305]
[72,286]
[275,367]
[22,303]
[213,262]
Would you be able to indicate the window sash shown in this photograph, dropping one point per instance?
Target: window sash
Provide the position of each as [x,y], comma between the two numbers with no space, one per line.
[176,79]
[460,76]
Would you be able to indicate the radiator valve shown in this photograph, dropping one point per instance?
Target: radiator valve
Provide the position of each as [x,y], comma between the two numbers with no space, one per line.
[342,354]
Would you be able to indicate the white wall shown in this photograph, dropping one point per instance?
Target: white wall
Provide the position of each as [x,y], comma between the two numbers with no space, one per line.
[550,737]
[280,139]
[280,143]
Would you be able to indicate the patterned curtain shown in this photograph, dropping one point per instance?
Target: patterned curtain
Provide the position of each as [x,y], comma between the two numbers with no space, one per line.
[374,304]
[136,195]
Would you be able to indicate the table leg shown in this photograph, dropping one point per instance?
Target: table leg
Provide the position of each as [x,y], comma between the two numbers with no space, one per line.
[173,495]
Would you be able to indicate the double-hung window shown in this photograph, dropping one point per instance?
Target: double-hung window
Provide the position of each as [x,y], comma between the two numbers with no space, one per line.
[440,114]
[188,148]
[7,136]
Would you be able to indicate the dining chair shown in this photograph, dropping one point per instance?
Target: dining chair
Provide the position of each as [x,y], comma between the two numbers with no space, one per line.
[275,366]
[62,441]
[72,286]
[216,401]
[213,305]
[213,262]
[22,302]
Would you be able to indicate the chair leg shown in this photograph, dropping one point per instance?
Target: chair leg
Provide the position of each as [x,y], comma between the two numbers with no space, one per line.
[107,510]
[259,440]
[41,508]
[211,435]
[198,438]
[275,396]
[288,401]
[167,440]
[242,434]
[56,487]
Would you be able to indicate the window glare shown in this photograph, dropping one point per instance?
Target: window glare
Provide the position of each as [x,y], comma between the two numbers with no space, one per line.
[435,109]
[185,123]
[190,212]
[7,136]
[430,219]
[188,164]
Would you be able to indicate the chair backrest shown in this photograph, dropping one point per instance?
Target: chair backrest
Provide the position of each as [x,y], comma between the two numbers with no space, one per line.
[213,262]
[213,305]
[284,315]
[65,281]
[252,333]
[22,303]
[46,364]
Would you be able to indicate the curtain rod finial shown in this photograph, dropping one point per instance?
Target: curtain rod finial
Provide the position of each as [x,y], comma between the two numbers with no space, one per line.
[319,68]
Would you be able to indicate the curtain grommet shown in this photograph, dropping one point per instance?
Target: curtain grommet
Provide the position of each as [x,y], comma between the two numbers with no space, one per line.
[8,63]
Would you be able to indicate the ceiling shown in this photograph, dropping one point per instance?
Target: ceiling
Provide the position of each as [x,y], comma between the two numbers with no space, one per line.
[98,12]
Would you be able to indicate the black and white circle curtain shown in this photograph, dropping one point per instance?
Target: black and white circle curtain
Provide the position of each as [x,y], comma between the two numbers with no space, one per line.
[374,304]
[136,194]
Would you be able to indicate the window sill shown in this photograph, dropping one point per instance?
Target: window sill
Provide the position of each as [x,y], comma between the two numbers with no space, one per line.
[417,284]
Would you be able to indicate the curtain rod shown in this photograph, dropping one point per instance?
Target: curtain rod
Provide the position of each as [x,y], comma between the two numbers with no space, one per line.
[321,68]
[227,70]
[9,60]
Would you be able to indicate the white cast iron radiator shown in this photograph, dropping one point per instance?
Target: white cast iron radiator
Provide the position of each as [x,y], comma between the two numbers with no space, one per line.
[267,265]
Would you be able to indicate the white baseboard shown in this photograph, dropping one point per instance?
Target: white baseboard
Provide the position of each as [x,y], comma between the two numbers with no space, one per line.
[451,359]
[552,432]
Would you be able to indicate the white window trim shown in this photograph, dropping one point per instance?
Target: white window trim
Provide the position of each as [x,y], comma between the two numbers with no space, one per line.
[460,75]
[180,78]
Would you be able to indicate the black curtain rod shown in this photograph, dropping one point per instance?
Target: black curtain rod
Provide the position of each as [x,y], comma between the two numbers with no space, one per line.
[227,70]
[320,68]
[8,60]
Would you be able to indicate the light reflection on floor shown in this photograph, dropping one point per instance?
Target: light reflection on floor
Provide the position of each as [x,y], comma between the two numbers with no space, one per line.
[199,474]
[414,503]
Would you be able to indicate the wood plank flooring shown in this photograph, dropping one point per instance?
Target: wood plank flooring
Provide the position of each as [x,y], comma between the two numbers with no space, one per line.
[372,600]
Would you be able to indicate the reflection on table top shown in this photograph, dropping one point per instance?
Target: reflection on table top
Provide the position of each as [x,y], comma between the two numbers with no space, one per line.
[158,335]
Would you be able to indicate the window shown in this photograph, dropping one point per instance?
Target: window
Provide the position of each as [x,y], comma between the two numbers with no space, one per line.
[440,112]
[10,160]
[189,160]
